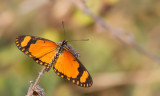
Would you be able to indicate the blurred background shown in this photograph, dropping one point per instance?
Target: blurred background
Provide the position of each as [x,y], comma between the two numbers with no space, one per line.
[116,69]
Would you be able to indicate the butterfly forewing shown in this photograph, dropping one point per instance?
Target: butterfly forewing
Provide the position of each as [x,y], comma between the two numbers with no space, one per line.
[40,49]
[69,67]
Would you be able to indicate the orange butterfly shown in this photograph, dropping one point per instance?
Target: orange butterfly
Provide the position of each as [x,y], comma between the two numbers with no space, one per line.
[61,56]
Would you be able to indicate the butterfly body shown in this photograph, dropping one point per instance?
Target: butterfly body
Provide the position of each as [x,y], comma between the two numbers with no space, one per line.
[62,57]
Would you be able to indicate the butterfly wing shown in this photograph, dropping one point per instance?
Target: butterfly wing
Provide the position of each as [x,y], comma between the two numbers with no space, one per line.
[69,67]
[40,49]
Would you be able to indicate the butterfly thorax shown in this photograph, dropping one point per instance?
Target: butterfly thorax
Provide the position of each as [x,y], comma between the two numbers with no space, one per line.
[60,47]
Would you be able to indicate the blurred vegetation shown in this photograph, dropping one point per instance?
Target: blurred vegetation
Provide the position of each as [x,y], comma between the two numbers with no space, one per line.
[116,69]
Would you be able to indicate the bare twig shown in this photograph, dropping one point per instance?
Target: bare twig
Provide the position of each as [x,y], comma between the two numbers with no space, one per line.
[115,32]
[30,87]
[37,81]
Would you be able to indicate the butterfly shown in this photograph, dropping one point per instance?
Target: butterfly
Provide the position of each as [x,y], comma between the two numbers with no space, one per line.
[61,56]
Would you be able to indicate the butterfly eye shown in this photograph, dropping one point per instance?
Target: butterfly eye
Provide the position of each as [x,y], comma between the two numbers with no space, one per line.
[64,43]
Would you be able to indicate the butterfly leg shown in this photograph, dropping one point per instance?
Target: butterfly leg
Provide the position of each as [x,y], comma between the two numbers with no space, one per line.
[77,54]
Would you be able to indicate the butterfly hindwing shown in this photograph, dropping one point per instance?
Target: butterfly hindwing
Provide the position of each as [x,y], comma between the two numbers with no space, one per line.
[40,49]
[69,67]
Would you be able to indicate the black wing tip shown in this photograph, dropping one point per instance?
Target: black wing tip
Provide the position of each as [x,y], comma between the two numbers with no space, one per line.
[19,37]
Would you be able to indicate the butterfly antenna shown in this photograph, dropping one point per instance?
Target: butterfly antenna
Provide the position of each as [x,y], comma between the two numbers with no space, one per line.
[65,35]
[64,30]
[78,40]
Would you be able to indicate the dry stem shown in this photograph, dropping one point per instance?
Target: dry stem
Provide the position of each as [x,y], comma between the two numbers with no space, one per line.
[30,92]
[119,34]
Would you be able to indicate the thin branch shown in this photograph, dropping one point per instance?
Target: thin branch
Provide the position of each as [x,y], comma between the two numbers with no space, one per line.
[115,32]
[37,81]
[30,87]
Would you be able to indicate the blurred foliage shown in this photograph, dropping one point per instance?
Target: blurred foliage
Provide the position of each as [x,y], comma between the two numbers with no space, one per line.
[102,55]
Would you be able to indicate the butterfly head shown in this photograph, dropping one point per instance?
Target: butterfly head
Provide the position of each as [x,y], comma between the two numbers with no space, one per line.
[64,42]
